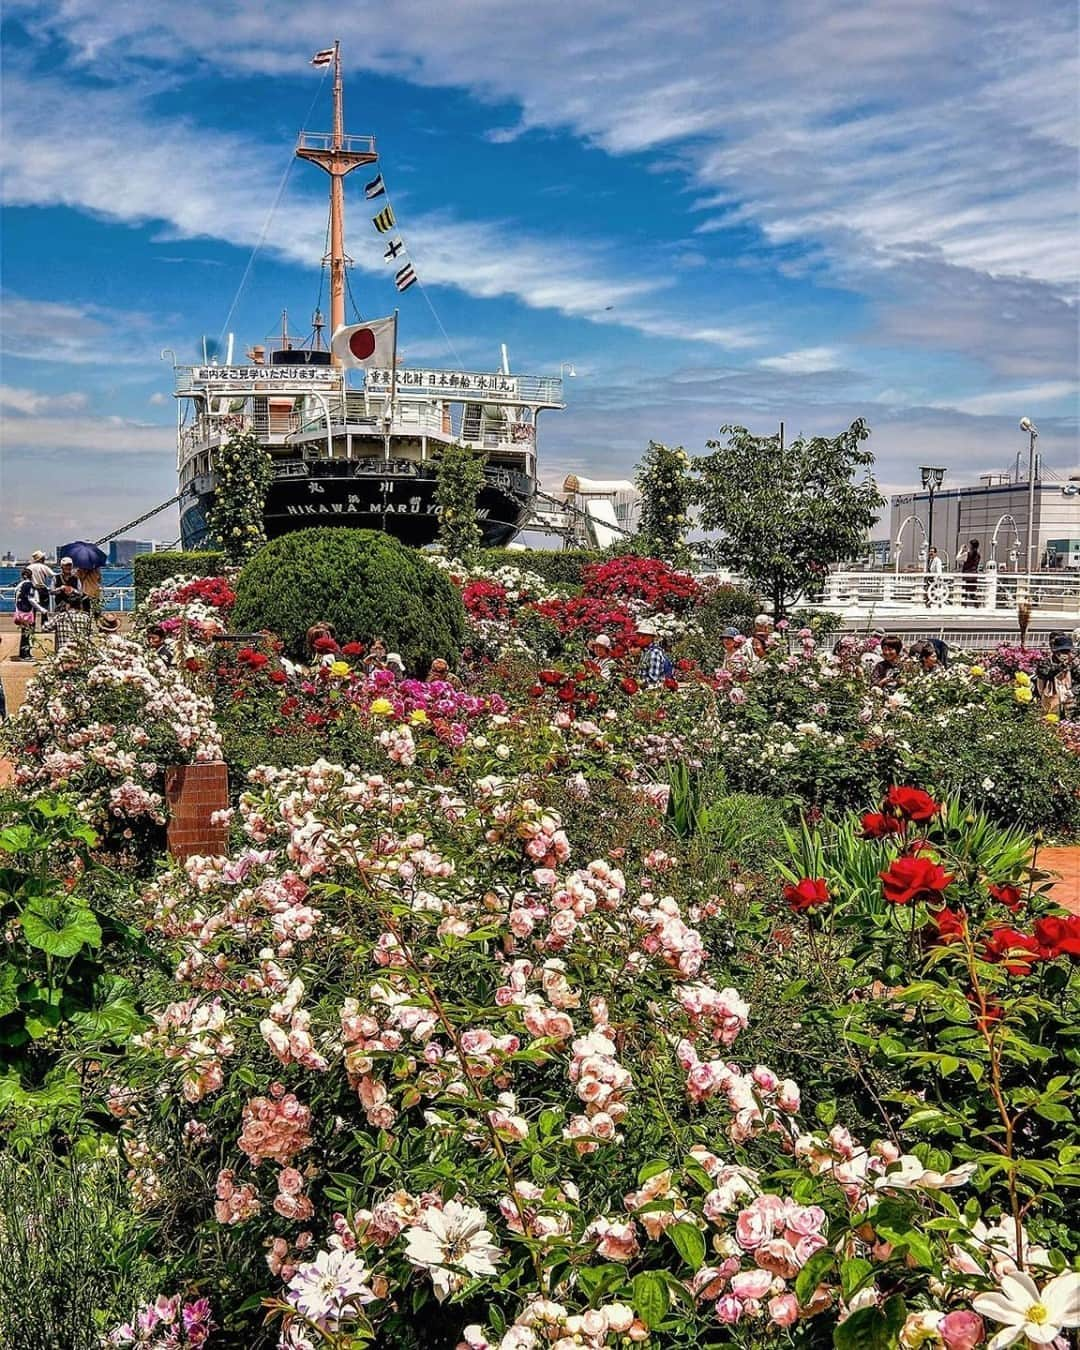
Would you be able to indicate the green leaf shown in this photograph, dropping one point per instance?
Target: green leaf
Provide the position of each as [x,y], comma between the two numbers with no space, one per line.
[813,1273]
[651,1298]
[689,1243]
[20,839]
[872,1328]
[826,1113]
[853,1275]
[651,1169]
[50,925]
[9,990]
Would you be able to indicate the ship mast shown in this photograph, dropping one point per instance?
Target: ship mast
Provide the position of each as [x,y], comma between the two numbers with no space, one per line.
[338,155]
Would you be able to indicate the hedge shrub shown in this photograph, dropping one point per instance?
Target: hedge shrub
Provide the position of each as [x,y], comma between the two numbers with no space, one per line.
[365,583]
[151,569]
[561,568]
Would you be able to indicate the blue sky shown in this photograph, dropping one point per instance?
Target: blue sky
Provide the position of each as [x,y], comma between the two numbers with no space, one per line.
[719,212]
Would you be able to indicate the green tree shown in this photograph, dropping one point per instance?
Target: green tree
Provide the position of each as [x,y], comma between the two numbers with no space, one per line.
[667,490]
[460,476]
[242,477]
[786,512]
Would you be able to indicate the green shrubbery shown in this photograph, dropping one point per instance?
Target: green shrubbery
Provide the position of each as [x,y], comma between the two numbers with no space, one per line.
[363,582]
[151,569]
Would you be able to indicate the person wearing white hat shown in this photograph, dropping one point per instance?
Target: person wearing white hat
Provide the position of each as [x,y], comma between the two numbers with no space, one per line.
[67,583]
[656,665]
[42,576]
[600,653]
[395,663]
[763,626]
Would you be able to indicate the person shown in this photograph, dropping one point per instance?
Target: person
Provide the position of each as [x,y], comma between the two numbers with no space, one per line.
[656,665]
[758,647]
[108,626]
[886,674]
[926,655]
[90,585]
[439,672]
[71,624]
[320,632]
[1054,677]
[67,583]
[376,656]
[763,626]
[43,577]
[600,655]
[27,609]
[729,640]
[969,560]
[158,642]
[941,647]
[395,665]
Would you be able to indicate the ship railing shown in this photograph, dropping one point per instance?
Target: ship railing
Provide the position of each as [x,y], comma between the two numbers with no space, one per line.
[116,599]
[948,592]
[324,140]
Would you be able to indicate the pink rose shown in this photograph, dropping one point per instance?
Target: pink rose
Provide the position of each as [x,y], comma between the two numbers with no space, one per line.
[751,1284]
[778,1258]
[961,1330]
[752,1228]
[784,1310]
[729,1309]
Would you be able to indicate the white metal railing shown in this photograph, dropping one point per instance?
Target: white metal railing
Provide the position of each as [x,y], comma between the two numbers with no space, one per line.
[950,592]
[113,598]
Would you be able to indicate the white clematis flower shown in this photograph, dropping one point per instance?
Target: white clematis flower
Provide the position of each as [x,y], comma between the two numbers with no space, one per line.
[1041,1317]
[453,1244]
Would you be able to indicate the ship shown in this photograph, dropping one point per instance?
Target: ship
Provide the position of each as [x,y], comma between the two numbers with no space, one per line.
[356,448]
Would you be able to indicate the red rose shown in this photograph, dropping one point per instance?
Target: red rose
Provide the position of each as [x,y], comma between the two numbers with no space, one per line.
[567,693]
[192,665]
[913,879]
[352,649]
[277,676]
[536,690]
[629,686]
[912,804]
[877,826]
[325,644]
[551,677]
[669,683]
[951,924]
[1017,951]
[684,664]
[1009,896]
[1060,935]
[809,892]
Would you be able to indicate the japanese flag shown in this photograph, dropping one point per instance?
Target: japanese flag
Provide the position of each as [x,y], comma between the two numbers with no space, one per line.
[365,345]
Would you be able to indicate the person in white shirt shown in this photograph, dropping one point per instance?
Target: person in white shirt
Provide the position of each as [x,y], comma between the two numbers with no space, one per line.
[42,576]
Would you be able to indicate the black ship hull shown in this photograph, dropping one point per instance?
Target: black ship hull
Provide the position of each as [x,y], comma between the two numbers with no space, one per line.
[398,498]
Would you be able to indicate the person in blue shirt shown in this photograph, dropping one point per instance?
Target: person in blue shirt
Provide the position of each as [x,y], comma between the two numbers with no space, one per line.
[656,665]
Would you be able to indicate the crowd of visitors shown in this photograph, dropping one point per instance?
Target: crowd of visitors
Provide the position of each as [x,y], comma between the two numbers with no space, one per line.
[62,603]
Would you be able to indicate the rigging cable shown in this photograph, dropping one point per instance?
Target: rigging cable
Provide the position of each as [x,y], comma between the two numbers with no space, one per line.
[270,216]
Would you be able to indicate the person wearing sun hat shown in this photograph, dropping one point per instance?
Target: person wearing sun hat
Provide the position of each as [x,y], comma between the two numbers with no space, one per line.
[109,625]
[656,665]
[1054,678]
[600,654]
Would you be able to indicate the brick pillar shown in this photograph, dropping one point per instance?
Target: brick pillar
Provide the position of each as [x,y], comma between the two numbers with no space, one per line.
[193,793]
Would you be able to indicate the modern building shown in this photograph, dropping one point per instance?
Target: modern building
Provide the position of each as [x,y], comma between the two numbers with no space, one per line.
[122,551]
[997,503]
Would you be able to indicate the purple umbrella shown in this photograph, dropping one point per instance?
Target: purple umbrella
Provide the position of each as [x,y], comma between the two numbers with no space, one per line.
[86,557]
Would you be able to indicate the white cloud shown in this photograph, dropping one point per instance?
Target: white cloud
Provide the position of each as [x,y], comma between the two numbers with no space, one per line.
[71,437]
[209,184]
[807,361]
[30,402]
[73,334]
[1015,401]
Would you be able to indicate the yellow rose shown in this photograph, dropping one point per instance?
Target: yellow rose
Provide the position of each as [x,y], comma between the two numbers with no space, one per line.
[381,706]
[976,672]
[1022,679]
[1051,718]
[340,668]
[1023,694]
[418,717]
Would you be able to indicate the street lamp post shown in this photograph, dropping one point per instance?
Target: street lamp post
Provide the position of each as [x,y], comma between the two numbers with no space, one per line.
[1026,424]
[931,481]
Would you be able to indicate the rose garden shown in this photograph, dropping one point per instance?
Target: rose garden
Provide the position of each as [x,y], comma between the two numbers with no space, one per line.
[538,1006]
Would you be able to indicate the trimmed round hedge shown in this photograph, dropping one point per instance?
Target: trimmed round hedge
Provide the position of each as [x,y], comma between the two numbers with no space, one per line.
[363,582]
